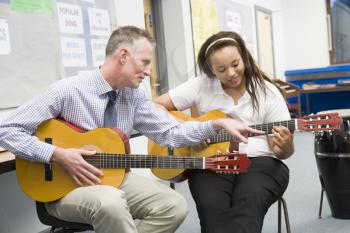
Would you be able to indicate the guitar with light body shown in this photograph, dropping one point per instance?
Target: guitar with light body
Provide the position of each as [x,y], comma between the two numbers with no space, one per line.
[221,141]
[49,182]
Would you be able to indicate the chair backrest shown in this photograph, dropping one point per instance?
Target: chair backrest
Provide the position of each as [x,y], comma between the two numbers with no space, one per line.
[49,220]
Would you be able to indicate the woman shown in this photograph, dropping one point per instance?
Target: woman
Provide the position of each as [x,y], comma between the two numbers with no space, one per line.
[233,83]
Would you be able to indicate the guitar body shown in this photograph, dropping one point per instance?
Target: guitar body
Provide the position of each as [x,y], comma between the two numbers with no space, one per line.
[178,175]
[31,175]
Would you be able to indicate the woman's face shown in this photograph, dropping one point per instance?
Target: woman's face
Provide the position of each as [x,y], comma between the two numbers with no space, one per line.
[227,65]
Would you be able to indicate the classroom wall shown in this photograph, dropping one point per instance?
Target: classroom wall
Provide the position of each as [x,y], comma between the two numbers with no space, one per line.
[178,36]
[129,12]
[178,41]
[275,7]
[300,41]
[299,33]
[305,34]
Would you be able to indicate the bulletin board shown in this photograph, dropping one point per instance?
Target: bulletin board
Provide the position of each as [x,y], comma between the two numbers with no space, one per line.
[211,16]
[42,41]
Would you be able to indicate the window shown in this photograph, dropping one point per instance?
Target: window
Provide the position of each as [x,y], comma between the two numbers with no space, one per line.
[338,16]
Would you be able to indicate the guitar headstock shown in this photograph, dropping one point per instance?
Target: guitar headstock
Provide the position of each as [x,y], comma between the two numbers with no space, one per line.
[227,163]
[320,122]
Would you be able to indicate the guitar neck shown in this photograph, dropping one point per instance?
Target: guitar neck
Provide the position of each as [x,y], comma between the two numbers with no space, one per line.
[103,160]
[224,136]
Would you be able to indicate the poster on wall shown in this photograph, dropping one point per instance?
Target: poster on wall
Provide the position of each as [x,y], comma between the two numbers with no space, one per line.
[204,21]
[73,52]
[99,22]
[70,18]
[98,48]
[212,16]
[233,21]
[238,17]
[44,7]
[90,22]
[4,38]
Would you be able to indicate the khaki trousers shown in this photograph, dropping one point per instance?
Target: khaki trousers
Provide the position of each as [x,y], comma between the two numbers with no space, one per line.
[111,210]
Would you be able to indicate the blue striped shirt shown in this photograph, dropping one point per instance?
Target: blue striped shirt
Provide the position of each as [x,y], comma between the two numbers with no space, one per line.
[82,100]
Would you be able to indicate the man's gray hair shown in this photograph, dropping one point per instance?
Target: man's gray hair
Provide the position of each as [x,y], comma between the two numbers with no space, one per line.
[126,36]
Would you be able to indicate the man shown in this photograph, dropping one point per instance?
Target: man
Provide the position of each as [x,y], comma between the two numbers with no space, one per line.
[82,100]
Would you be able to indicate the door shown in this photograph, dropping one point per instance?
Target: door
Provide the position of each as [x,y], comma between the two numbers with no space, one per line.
[265,41]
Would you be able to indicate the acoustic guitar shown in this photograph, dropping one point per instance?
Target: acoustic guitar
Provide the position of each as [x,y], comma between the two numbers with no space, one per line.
[49,182]
[221,141]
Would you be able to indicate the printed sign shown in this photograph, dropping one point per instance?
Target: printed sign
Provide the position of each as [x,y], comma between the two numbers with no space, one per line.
[4,38]
[98,47]
[73,52]
[70,18]
[99,22]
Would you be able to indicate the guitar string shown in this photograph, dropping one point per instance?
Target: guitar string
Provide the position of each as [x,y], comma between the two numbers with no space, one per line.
[223,135]
[146,161]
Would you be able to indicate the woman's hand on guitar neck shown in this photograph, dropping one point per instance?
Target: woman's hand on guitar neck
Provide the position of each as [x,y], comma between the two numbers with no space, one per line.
[281,142]
[237,129]
[73,162]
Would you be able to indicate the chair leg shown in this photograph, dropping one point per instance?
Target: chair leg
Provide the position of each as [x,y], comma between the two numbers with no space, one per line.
[282,203]
[321,203]
[286,216]
[279,216]
[323,187]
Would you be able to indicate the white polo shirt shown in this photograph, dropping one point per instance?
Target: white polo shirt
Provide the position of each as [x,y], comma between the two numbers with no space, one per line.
[207,94]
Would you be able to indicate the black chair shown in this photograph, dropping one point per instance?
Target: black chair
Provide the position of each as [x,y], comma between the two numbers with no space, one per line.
[58,225]
[282,203]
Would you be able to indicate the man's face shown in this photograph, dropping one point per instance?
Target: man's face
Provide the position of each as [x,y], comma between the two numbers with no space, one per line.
[138,63]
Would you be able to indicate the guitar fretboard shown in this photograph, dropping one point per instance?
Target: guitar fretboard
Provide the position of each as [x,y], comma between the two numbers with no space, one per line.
[103,160]
[224,136]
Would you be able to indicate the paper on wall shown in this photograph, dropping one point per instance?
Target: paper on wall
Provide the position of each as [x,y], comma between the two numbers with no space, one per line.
[99,22]
[70,18]
[73,52]
[98,47]
[4,38]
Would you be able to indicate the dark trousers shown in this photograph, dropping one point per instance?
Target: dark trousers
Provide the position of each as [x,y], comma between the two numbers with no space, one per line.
[238,203]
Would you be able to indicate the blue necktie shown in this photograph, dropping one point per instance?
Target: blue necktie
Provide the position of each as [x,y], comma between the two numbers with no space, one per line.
[110,117]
